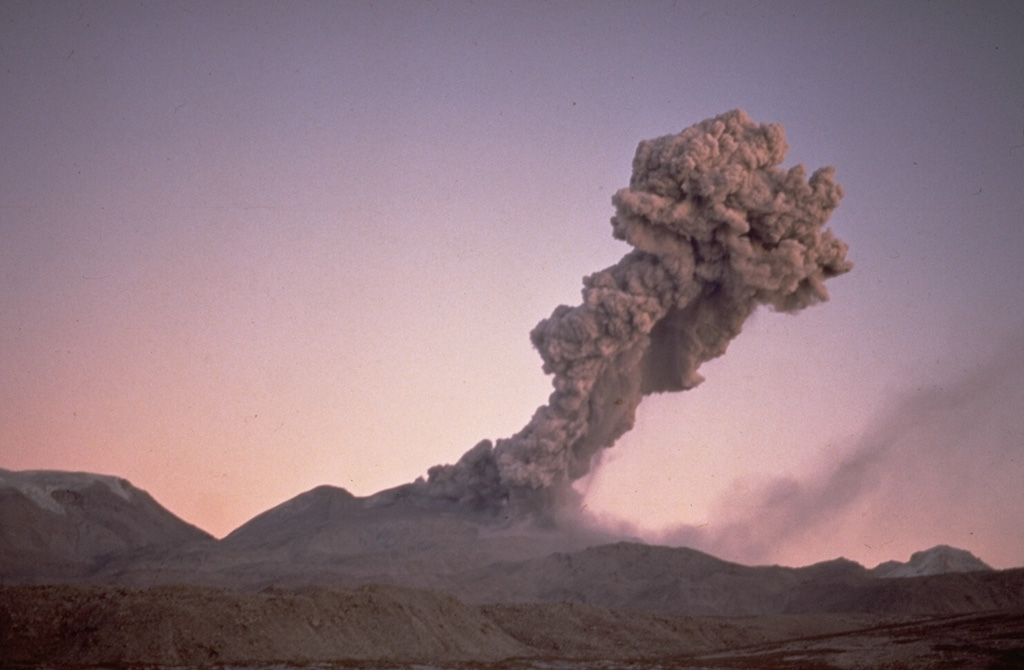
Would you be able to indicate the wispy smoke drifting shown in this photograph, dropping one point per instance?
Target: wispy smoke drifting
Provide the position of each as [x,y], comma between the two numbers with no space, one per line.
[940,465]
[717,229]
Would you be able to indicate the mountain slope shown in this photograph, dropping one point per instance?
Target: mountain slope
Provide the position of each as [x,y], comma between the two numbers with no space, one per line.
[688,582]
[327,536]
[635,576]
[935,595]
[63,525]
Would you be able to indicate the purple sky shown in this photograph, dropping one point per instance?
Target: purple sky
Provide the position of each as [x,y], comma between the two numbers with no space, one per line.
[251,248]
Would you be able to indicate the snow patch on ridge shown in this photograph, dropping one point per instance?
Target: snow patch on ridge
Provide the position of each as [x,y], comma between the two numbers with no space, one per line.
[938,560]
[39,485]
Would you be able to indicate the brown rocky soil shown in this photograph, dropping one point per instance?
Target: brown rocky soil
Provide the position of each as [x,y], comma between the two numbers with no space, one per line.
[384,626]
[188,626]
[994,641]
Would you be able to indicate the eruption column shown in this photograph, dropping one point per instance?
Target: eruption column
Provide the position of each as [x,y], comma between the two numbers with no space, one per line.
[717,229]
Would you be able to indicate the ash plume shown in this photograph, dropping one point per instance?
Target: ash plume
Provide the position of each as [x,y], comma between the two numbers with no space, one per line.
[717,229]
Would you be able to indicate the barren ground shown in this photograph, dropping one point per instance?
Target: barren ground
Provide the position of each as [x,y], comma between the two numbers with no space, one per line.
[391,627]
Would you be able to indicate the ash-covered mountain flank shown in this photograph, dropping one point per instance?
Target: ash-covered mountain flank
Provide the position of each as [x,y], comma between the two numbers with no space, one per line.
[327,536]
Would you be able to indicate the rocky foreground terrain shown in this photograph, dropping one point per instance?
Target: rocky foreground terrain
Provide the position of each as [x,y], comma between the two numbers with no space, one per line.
[94,572]
[386,626]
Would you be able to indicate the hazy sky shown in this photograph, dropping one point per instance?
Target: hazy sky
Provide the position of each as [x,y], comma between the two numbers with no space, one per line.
[251,248]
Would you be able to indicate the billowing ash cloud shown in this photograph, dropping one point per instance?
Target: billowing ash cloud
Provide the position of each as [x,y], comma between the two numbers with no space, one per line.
[717,229]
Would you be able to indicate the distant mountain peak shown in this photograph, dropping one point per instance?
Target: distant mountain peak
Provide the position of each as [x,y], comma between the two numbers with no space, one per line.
[938,560]
[299,515]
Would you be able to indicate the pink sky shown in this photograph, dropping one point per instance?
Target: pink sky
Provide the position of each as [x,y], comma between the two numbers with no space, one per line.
[248,248]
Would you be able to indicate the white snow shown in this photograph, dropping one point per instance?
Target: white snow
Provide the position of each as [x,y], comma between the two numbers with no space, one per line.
[37,485]
[938,560]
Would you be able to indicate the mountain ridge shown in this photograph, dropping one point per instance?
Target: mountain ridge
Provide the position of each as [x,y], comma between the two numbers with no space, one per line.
[393,579]
[328,537]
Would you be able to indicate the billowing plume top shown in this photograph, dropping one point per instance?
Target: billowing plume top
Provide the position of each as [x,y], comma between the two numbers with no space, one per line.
[717,229]
[713,197]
